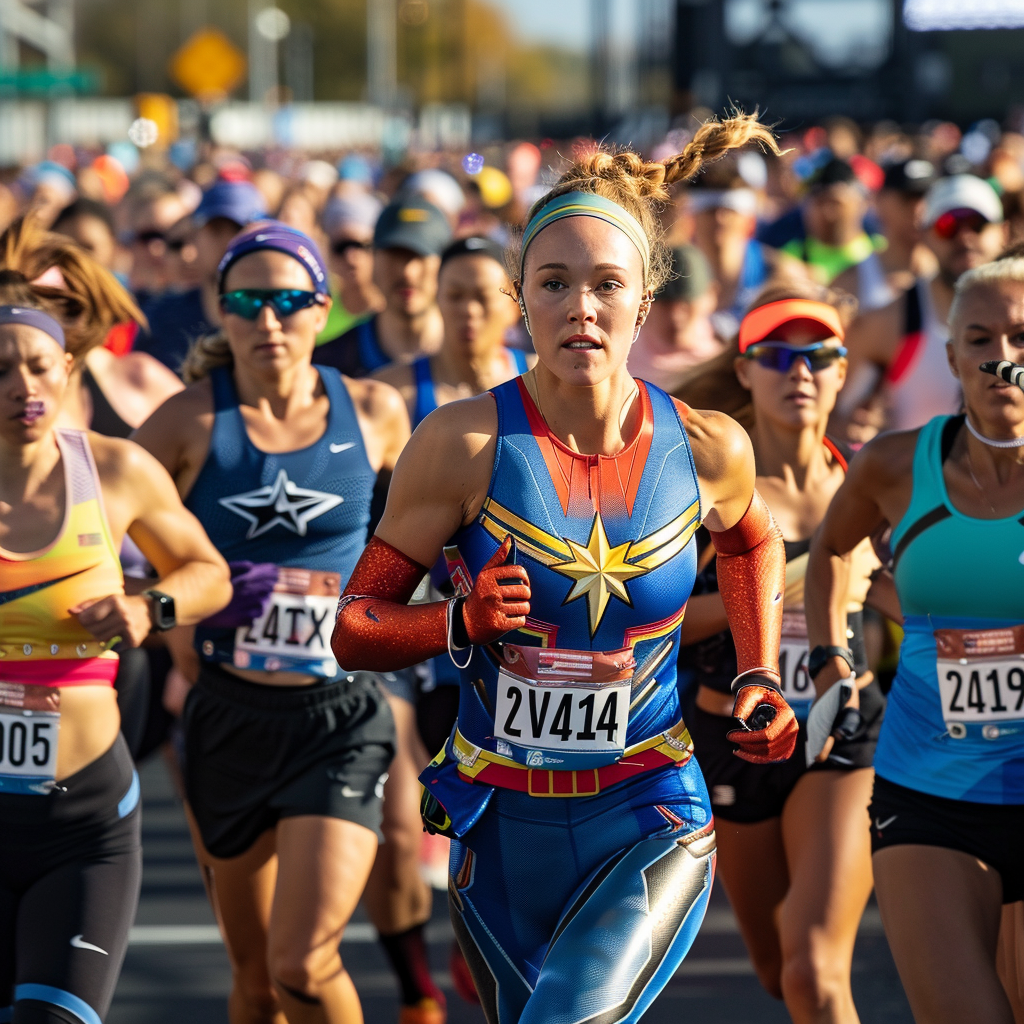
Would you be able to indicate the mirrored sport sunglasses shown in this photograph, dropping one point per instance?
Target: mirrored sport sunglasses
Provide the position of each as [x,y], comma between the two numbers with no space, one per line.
[247,302]
[952,221]
[777,355]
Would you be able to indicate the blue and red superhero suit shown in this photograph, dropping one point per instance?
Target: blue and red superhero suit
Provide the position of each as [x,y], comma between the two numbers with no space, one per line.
[583,852]
[580,908]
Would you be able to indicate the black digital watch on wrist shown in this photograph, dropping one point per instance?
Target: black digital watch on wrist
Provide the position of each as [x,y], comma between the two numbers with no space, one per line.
[820,655]
[161,609]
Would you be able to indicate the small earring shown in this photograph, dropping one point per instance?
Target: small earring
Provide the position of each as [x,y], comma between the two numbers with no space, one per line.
[526,319]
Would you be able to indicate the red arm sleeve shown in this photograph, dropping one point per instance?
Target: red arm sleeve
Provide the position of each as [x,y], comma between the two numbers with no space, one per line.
[376,629]
[752,580]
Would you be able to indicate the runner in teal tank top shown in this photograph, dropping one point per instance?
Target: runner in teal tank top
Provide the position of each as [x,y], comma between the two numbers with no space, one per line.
[947,812]
[955,727]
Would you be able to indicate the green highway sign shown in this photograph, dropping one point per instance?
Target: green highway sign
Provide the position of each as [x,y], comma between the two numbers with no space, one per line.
[43,82]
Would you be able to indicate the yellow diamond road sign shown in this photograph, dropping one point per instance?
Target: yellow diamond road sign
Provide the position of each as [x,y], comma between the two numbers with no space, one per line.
[208,65]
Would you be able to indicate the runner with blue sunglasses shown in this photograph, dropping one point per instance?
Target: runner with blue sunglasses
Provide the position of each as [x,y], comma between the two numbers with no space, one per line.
[778,355]
[247,302]
[286,753]
[396,897]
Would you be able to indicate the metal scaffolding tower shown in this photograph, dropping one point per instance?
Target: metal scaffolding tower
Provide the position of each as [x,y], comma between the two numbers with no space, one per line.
[45,25]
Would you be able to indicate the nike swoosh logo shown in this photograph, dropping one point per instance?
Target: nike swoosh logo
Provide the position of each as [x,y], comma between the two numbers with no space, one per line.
[6,596]
[335,448]
[880,825]
[347,790]
[79,943]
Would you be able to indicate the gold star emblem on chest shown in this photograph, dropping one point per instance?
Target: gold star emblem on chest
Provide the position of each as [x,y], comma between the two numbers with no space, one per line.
[599,571]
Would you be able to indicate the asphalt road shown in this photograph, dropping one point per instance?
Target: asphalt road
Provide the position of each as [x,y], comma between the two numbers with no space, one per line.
[176,969]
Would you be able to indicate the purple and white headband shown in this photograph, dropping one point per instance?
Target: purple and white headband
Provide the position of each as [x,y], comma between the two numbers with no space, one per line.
[282,238]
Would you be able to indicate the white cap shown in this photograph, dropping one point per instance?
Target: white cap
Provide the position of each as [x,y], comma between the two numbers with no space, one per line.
[742,200]
[439,187]
[319,173]
[962,192]
[355,207]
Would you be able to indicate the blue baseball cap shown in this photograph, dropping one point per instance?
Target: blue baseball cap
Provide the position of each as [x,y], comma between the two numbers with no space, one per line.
[356,168]
[272,234]
[50,170]
[238,201]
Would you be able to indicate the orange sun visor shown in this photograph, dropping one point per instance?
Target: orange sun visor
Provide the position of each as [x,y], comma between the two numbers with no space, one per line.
[759,323]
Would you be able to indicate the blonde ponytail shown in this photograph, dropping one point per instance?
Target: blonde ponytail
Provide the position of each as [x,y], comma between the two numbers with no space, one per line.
[206,354]
[713,140]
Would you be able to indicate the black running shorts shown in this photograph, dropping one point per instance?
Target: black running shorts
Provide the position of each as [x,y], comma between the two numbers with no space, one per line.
[255,754]
[70,871]
[748,793]
[994,833]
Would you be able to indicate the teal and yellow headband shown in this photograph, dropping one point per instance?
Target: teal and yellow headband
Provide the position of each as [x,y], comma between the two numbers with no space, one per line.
[586,204]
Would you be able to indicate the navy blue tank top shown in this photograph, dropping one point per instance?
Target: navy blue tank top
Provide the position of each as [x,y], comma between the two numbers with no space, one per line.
[356,353]
[426,398]
[305,511]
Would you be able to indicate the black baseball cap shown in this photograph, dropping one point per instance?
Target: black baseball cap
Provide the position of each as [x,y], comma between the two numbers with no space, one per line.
[832,172]
[474,245]
[415,224]
[912,177]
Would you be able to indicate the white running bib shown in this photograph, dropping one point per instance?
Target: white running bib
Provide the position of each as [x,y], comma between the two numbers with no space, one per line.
[294,632]
[981,681]
[29,726]
[794,653]
[561,717]
[28,750]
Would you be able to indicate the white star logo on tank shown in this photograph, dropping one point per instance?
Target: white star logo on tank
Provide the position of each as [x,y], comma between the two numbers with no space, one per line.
[282,503]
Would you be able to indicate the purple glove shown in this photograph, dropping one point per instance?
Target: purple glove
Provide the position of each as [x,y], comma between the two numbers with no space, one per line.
[253,584]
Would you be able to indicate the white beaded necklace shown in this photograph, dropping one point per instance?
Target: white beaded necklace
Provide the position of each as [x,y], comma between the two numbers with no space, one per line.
[1016,442]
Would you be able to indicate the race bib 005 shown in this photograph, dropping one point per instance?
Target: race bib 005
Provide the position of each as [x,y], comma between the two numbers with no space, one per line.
[29,727]
[981,681]
[294,632]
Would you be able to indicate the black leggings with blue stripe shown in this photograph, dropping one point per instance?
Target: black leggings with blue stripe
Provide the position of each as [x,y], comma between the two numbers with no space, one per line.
[70,871]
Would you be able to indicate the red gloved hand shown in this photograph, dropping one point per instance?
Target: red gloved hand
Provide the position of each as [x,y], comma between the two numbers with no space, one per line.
[498,602]
[763,743]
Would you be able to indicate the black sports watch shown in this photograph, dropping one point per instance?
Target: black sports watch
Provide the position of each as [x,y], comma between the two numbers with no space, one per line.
[820,655]
[161,608]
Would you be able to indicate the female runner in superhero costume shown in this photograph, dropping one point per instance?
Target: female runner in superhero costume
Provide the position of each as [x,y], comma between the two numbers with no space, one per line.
[584,844]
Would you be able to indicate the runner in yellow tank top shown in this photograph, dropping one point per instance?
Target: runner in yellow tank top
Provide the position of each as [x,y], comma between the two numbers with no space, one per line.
[71,861]
[40,640]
